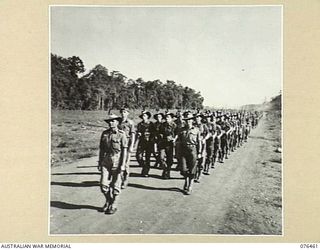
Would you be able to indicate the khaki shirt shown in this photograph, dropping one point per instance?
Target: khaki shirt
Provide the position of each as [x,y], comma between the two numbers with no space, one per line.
[189,137]
[127,127]
[111,143]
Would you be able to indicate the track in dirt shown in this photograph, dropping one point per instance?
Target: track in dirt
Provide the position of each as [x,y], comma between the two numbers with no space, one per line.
[156,206]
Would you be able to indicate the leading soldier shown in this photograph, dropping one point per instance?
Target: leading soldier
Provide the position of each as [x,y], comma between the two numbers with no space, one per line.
[112,160]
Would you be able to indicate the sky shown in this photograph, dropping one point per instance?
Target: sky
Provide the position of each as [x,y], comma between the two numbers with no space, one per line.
[232,55]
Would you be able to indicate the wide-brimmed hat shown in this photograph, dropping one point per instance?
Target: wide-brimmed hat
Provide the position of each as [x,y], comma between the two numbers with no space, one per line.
[188,116]
[124,108]
[145,112]
[112,117]
[155,115]
[169,113]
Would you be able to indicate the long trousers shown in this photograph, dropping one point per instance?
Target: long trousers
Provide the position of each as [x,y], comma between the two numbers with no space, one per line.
[143,154]
[166,158]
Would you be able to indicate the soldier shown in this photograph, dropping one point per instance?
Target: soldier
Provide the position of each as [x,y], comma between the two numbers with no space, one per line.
[166,145]
[112,160]
[247,128]
[145,142]
[180,123]
[157,137]
[231,135]
[216,139]
[127,125]
[212,133]
[189,139]
[204,135]
[223,153]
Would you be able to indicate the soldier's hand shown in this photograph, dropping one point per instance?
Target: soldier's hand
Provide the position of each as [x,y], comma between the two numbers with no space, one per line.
[130,150]
[199,156]
[122,173]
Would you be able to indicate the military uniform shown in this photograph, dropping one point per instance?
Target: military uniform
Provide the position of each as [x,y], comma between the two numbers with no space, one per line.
[112,143]
[224,140]
[129,129]
[210,147]
[166,146]
[190,143]
[203,129]
[179,125]
[157,136]
[216,143]
[145,145]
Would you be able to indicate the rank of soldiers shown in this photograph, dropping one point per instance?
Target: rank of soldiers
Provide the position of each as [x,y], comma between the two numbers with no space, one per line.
[197,141]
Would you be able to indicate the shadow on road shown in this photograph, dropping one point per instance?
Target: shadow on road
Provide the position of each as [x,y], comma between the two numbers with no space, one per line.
[173,189]
[155,176]
[73,184]
[87,166]
[83,173]
[64,205]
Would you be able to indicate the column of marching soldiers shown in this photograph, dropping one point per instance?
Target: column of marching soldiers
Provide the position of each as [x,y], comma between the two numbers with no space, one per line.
[197,141]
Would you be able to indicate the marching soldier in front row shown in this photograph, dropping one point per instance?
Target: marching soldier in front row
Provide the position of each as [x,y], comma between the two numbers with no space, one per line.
[157,136]
[166,144]
[145,142]
[112,160]
[190,145]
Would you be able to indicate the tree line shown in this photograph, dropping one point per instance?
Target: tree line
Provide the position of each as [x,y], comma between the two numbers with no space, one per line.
[101,89]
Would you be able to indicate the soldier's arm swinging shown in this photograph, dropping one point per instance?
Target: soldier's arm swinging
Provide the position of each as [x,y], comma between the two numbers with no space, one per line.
[124,158]
[131,146]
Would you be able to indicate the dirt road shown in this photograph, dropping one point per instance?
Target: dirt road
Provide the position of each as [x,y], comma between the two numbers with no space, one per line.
[241,196]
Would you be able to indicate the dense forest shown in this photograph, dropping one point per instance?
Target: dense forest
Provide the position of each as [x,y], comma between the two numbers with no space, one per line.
[100,89]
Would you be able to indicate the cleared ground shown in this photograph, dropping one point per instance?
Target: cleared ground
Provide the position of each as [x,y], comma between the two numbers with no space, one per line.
[241,196]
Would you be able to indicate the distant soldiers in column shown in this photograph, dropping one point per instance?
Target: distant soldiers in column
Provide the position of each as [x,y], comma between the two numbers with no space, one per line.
[144,142]
[166,145]
[112,160]
[127,125]
[190,143]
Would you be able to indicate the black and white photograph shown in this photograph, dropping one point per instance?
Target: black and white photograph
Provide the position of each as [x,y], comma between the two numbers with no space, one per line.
[166,120]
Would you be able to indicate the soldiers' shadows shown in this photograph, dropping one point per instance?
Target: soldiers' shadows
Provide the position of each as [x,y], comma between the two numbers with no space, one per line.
[73,184]
[173,189]
[155,176]
[87,166]
[64,205]
[80,173]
